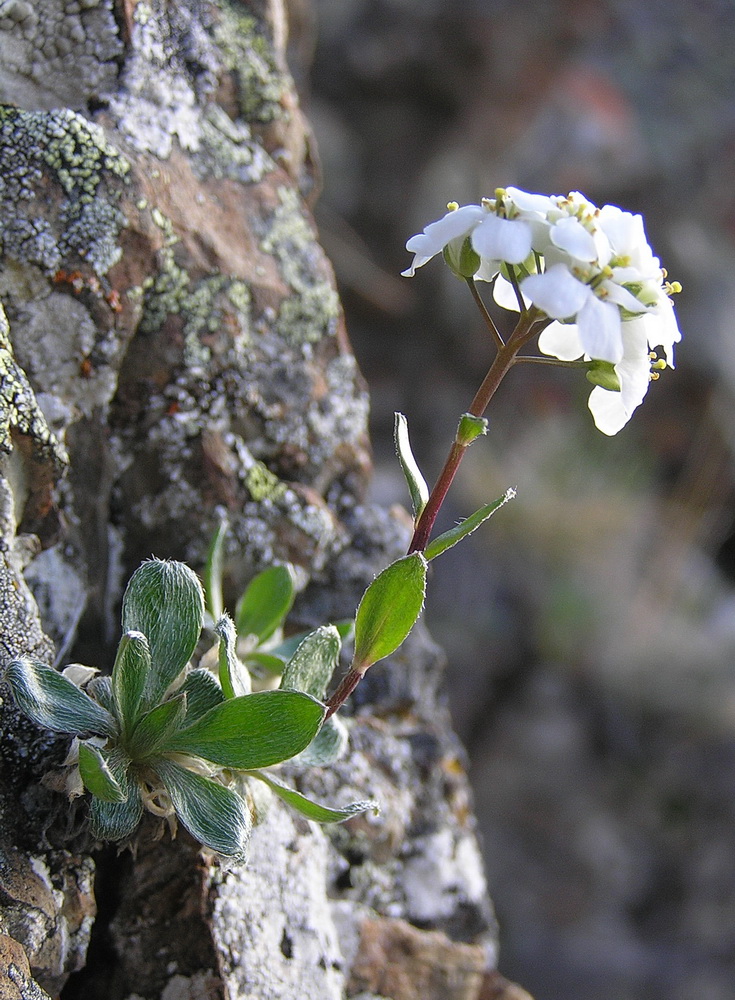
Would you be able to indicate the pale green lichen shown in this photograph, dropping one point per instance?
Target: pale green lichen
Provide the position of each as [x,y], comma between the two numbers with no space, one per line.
[312,312]
[89,171]
[19,411]
[248,53]
[227,149]
[262,484]
[201,304]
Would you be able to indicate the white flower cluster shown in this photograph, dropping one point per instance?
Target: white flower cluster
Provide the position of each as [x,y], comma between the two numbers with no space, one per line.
[590,270]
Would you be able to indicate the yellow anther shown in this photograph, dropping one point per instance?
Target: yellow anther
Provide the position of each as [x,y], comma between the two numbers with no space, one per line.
[654,376]
[660,365]
[452,206]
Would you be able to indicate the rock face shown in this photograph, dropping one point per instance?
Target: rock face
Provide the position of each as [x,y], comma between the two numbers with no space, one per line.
[171,348]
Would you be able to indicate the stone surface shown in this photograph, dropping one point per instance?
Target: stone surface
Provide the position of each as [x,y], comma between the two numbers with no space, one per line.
[175,350]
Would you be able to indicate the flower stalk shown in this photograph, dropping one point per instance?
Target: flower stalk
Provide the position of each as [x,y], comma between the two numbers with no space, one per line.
[502,363]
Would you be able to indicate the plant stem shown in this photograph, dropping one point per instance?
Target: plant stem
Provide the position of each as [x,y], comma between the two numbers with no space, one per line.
[347,685]
[500,367]
[489,322]
[528,326]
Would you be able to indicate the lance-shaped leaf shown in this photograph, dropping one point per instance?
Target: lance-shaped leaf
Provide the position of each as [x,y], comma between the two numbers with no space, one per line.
[202,693]
[315,811]
[155,727]
[266,602]
[449,538]
[132,664]
[97,777]
[260,663]
[100,688]
[311,667]
[417,487]
[214,815]
[117,820]
[164,601]
[53,702]
[254,731]
[233,675]
[285,649]
[389,609]
[212,574]
[328,745]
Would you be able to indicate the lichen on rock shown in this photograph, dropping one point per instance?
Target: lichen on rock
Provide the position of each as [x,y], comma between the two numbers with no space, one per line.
[37,40]
[84,220]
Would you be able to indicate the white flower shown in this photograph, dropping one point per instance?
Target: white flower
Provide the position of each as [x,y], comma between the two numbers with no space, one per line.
[455,225]
[595,311]
[591,270]
[612,410]
[494,238]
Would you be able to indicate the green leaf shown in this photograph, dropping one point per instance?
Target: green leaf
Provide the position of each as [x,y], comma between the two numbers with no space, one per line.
[100,689]
[258,663]
[117,820]
[256,730]
[285,650]
[53,702]
[132,665]
[233,676]
[97,776]
[266,602]
[202,693]
[212,574]
[311,667]
[164,600]
[328,745]
[470,427]
[214,815]
[449,538]
[153,730]
[315,811]
[389,609]
[417,487]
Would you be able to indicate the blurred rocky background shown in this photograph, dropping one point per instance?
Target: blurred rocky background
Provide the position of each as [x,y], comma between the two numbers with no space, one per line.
[590,628]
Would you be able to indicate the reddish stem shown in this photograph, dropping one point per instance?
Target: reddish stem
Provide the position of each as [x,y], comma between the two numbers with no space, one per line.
[502,363]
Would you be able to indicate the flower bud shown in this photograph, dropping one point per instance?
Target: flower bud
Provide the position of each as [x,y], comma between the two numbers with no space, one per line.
[461,258]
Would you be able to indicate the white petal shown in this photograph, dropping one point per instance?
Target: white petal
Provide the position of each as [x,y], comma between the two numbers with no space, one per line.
[437,234]
[612,410]
[624,230]
[561,340]
[557,292]
[570,235]
[487,270]
[502,239]
[528,202]
[599,330]
[622,297]
[628,238]
[607,410]
[662,328]
[505,296]
[634,371]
